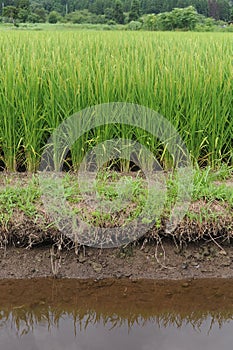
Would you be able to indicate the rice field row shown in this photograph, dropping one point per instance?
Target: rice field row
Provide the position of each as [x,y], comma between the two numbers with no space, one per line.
[45,77]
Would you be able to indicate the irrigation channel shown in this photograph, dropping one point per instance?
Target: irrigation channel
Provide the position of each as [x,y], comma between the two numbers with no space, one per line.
[42,314]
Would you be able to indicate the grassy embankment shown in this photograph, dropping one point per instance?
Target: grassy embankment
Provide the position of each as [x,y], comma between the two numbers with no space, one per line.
[23,220]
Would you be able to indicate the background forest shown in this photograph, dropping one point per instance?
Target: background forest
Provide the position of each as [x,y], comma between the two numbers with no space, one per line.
[107,11]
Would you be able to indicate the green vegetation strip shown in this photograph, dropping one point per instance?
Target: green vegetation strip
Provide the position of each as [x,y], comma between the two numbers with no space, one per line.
[23,218]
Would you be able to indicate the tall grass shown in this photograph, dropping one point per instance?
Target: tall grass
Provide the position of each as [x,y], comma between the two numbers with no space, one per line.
[47,76]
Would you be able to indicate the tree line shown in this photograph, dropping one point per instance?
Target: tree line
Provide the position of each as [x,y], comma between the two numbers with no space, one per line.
[107,11]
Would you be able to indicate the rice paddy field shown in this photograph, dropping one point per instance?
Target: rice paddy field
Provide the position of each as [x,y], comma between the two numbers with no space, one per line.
[46,77]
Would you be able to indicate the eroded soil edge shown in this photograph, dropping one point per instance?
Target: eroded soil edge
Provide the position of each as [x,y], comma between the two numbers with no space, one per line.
[152,261]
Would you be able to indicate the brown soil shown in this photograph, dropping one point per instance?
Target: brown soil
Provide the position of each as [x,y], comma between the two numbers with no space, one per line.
[134,262]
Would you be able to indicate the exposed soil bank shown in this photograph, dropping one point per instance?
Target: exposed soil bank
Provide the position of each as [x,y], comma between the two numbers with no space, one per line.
[152,262]
[27,239]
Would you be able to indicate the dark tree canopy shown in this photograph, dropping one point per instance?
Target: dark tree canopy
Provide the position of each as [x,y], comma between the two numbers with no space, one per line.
[113,9]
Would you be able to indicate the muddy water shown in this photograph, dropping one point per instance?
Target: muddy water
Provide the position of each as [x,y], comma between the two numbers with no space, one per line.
[48,314]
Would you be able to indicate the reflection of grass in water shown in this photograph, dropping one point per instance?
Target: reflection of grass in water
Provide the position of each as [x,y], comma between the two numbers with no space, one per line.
[25,320]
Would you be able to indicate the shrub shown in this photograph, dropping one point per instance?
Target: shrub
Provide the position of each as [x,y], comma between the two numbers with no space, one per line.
[134,25]
[53,17]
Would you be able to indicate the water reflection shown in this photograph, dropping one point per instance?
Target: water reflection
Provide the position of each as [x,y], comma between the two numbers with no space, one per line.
[86,315]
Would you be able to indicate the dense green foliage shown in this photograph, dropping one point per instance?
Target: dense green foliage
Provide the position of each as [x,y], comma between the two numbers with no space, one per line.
[178,18]
[102,11]
[47,76]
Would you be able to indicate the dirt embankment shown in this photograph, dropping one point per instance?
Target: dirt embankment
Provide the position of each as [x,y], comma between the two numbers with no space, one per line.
[151,261]
[197,248]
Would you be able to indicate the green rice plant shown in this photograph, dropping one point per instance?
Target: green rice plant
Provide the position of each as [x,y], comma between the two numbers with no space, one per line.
[47,76]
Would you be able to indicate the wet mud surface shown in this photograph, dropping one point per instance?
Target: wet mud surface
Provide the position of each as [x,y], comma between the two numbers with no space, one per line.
[164,261]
